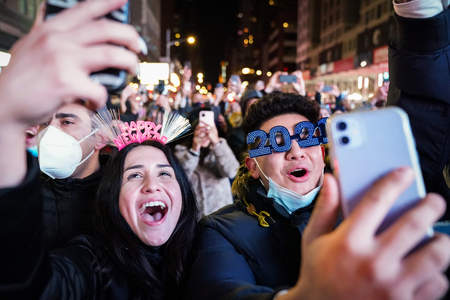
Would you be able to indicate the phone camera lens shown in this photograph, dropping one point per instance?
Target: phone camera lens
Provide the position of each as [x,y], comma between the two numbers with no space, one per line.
[342,125]
[345,140]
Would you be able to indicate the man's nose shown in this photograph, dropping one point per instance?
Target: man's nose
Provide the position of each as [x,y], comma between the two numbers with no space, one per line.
[296,152]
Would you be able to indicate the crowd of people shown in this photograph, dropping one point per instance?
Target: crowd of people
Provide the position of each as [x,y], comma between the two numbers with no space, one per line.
[194,216]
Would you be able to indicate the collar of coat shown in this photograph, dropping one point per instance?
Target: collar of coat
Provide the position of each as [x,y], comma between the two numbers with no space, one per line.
[257,204]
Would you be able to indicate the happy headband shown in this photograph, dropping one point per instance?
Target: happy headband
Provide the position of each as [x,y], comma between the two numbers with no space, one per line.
[138,132]
[280,131]
[122,134]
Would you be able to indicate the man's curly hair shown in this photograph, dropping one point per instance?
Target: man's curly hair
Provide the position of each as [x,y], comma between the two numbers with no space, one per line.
[275,104]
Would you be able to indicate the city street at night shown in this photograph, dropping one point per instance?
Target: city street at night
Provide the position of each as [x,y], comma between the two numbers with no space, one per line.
[240,149]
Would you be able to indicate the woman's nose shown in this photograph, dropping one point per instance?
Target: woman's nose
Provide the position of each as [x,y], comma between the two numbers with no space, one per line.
[150,186]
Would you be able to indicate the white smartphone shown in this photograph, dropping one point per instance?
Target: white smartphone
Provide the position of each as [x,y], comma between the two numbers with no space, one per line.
[207,117]
[365,146]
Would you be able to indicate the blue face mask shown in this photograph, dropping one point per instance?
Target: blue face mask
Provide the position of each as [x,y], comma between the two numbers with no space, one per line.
[33,151]
[285,200]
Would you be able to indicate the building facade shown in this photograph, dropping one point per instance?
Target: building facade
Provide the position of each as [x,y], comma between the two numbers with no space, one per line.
[281,46]
[145,15]
[344,42]
[265,40]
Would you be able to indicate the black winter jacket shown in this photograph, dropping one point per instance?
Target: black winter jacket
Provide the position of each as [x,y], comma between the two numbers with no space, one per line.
[68,207]
[419,66]
[237,258]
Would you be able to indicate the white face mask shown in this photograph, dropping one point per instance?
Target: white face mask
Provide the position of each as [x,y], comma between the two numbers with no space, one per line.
[60,153]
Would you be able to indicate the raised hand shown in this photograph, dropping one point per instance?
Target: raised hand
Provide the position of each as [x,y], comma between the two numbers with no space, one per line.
[55,59]
[352,262]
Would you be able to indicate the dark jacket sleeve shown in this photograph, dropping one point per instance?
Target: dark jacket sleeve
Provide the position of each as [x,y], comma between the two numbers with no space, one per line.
[221,272]
[419,58]
[27,269]
[74,272]
[22,253]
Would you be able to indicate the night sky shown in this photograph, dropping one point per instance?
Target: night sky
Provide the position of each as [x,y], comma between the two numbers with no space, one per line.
[214,24]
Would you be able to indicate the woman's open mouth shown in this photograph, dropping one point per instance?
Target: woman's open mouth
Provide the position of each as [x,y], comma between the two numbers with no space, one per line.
[153,212]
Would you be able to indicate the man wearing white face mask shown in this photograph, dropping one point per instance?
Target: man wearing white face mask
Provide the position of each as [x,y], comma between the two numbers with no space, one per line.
[69,158]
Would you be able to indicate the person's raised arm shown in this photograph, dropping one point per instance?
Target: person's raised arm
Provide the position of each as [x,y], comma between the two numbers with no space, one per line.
[51,66]
[352,262]
[419,8]
[418,59]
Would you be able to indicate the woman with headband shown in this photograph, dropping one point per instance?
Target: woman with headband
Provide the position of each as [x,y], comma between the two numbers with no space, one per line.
[146,212]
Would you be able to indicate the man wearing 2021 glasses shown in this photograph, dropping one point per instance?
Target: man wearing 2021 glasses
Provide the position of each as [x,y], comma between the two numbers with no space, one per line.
[280,240]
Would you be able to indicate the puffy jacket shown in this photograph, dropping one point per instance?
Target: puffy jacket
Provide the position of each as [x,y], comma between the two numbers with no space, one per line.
[237,258]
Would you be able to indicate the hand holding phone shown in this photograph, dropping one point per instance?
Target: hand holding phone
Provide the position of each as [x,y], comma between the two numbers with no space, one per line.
[60,54]
[113,79]
[207,117]
[351,260]
[370,150]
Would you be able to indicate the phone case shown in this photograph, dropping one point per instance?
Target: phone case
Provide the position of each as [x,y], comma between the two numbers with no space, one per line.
[365,146]
[113,79]
[207,117]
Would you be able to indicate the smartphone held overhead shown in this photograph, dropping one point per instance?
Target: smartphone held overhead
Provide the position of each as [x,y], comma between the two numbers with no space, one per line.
[113,79]
[327,89]
[366,146]
[288,78]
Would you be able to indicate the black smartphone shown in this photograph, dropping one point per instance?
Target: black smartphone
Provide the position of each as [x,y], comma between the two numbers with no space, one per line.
[113,79]
[161,88]
[288,78]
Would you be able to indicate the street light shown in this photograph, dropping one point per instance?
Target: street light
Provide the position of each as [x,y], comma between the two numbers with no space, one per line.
[245,71]
[190,40]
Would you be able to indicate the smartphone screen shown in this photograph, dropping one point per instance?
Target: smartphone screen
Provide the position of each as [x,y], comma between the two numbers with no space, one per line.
[327,88]
[288,78]
[365,146]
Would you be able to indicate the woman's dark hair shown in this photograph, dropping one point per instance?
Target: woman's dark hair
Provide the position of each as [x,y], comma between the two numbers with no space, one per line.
[275,104]
[155,271]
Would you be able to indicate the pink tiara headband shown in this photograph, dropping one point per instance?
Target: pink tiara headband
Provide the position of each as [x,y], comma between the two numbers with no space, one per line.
[138,132]
[121,134]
